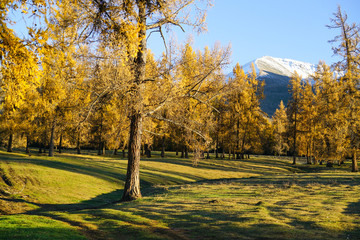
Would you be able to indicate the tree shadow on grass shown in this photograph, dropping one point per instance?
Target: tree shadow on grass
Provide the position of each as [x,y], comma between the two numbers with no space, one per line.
[55,212]
[353,209]
[205,224]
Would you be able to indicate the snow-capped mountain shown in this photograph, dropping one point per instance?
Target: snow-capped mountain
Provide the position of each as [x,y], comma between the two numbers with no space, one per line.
[280,66]
[276,73]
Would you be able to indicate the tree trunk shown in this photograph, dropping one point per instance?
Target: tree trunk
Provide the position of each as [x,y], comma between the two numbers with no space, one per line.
[100,143]
[295,133]
[115,152]
[217,149]
[354,162]
[186,152]
[9,146]
[78,149]
[52,135]
[147,150]
[182,153]
[60,143]
[27,144]
[142,152]
[163,147]
[100,148]
[132,182]
[123,153]
[207,155]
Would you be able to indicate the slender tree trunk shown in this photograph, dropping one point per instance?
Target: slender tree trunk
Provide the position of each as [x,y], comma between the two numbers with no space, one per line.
[123,153]
[163,147]
[217,148]
[177,150]
[147,150]
[9,146]
[308,158]
[100,145]
[142,152]
[207,155]
[40,148]
[294,145]
[186,152]
[27,144]
[78,149]
[354,162]
[182,153]
[132,182]
[60,143]
[52,136]
[115,152]
[100,148]
[229,153]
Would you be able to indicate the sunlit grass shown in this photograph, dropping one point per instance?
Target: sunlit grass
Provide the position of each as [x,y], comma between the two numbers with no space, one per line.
[257,198]
[36,227]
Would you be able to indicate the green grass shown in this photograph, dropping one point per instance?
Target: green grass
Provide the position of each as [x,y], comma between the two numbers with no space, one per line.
[77,197]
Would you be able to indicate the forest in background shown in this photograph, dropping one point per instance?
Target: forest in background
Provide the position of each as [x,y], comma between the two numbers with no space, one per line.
[85,79]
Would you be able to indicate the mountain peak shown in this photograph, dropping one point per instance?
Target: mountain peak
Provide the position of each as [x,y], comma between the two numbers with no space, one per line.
[280,66]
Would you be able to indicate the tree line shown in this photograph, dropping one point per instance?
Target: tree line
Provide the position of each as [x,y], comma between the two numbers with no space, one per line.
[85,78]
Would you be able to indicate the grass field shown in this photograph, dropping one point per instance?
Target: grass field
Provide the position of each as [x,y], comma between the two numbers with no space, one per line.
[77,197]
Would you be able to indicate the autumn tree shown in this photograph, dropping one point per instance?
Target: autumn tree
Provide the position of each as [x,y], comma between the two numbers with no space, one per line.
[19,75]
[126,23]
[295,89]
[280,123]
[331,123]
[244,102]
[348,49]
[307,117]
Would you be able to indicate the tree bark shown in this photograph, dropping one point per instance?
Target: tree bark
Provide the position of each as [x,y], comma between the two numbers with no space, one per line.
[354,162]
[27,144]
[52,135]
[78,149]
[40,148]
[295,133]
[147,150]
[163,147]
[9,146]
[123,153]
[132,182]
[60,143]
[186,152]
[100,146]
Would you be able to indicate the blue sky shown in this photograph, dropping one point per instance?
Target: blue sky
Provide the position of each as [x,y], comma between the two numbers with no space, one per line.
[294,29]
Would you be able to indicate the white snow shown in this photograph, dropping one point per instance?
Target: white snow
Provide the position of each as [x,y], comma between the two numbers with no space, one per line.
[281,66]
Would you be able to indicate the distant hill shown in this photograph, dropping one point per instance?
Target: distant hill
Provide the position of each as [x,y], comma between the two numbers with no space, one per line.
[276,73]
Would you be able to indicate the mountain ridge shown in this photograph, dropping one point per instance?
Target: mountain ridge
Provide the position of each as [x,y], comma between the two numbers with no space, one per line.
[276,73]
